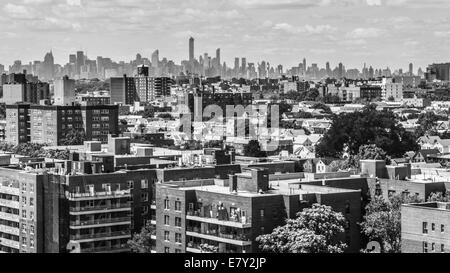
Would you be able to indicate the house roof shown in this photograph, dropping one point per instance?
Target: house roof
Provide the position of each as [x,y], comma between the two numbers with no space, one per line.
[427,152]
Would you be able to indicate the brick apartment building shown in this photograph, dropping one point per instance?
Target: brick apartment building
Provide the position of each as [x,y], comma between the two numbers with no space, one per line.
[47,124]
[425,228]
[228,214]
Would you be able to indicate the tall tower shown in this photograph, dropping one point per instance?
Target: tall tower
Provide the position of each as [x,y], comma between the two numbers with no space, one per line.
[218,56]
[191,49]
[411,69]
[155,58]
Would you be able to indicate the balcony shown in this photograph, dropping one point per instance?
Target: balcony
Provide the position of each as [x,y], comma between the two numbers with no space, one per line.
[107,249]
[98,195]
[9,230]
[215,235]
[100,222]
[9,190]
[9,216]
[236,222]
[101,236]
[10,203]
[100,209]
[10,243]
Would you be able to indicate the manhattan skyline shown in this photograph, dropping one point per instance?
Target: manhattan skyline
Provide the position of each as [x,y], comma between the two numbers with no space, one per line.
[354,32]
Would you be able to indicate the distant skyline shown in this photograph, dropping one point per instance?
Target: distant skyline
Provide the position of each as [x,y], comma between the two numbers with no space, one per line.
[377,32]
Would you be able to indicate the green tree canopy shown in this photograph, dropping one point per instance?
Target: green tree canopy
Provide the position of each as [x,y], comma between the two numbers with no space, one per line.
[142,242]
[382,222]
[315,230]
[353,130]
[253,149]
[74,137]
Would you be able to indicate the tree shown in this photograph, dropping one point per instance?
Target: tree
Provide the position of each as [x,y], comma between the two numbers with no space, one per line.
[391,98]
[323,107]
[439,197]
[142,242]
[315,230]
[382,222]
[353,130]
[428,124]
[253,149]
[74,137]
[213,144]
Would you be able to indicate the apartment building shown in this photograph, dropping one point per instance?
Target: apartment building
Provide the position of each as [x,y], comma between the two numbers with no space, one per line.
[48,124]
[227,215]
[425,228]
[21,210]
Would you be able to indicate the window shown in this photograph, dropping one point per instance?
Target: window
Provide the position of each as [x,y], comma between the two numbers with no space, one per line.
[166,204]
[31,229]
[433,226]
[432,246]
[31,201]
[130,184]
[24,241]
[177,250]
[24,186]
[262,230]
[425,247]
[178,238]
[167,250]
[424,227]
[144,209]
[31,187]
[442,248]
[31,242]
[23,228]
[144,197]
[166,236]
[347,207]
[24,214]
[166,220]
[261,213]
[177,221]
[144,184]
[24,200]
[31,215]
[442,228]
[177,205]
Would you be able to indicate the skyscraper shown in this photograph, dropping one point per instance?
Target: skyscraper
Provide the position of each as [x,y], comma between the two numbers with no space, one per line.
[244,67]
[411,69]
[48,66]
[80,61]
[155,59]
[218,57]
[191,49]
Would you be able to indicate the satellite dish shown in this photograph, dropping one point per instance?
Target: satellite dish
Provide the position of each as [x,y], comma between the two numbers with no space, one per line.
[73,247]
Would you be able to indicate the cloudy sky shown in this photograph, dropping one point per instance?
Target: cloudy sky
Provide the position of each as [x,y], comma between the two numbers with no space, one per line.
[380,32]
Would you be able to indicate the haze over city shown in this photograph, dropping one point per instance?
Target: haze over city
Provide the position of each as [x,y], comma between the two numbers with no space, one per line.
[380,33]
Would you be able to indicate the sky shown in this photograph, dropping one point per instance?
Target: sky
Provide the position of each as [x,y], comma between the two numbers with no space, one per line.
[381,33]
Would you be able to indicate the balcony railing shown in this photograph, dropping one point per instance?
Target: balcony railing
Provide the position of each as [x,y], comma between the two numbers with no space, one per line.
[95,195]
[100,221]
[244,220]
[10,203]
[9,190]
[9,216]
[100,235]
[217,233]
[115,248]
[97,208]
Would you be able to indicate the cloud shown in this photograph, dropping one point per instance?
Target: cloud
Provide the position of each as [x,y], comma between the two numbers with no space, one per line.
[17,11]
[307,29]
[363,33]
[442,34]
